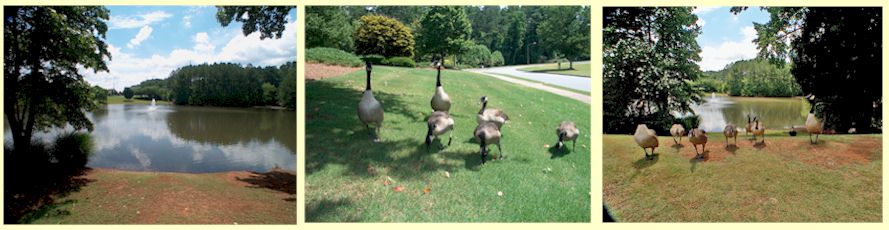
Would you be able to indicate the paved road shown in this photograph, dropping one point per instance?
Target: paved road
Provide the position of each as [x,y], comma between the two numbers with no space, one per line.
[571,82]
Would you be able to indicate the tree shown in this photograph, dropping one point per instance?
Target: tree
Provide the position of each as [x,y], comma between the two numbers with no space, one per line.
[381,35]
[836,54]
[444,30]
[649,66]
[44,48]
[329,26]
[477,55]
[128,93]
[287,88]
[566,30]
[515,36]
[269,94]
[100,95]
[268,20]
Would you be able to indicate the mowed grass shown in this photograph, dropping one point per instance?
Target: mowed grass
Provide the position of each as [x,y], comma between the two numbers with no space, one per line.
[124,197]
[122,100]
[345,171]
[785,180]
[580,69]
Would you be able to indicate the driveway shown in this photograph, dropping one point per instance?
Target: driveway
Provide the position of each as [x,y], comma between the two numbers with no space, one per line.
[571,82]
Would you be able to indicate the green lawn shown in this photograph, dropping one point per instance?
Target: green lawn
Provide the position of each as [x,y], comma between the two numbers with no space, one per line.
[345,171]
[124,197]
[580,70]
[785,180]
[122,100]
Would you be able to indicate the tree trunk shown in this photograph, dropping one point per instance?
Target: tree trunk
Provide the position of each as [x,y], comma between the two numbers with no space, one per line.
[570,64]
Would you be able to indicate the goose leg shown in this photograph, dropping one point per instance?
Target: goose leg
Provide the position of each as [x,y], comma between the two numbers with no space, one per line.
[573,145]
[484,154]
[501,151]
[646,153]
[816,138]
[450,138]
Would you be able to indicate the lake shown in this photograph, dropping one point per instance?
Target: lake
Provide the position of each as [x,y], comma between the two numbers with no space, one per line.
[191,139]
[775,113]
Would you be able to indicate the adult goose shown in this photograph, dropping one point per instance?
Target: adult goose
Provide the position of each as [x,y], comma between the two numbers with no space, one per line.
[487,133]
[486,114]
[440,100]
[677,131]
[567,131]
[814,125]
[370,111]
[646,138]
[697,137]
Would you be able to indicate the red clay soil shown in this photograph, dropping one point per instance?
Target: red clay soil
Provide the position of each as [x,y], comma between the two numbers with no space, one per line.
[316,71]
[827,154]
[173,200]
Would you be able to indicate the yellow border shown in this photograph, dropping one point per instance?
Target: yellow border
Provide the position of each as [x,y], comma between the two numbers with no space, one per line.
[596,108]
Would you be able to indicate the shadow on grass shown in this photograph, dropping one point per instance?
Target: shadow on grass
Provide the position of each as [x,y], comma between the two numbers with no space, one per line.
[328,210]
[37,190]
[695,160]
[556,153]
[277,180]
[731,148]
[334,135]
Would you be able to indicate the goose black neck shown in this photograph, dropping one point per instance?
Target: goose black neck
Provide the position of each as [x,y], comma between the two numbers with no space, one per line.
[484,104]
[438,78]
[562,136]
[368,81]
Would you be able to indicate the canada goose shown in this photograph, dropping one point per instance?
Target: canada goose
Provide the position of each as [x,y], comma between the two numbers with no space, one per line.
[490,114]
[697,137]
[749,127]
[814,125]
[370,111]
[645,138]
[677,131]
[439,123]
[487,133]
[758,129]
[440,100]
[567,131]
[730,131]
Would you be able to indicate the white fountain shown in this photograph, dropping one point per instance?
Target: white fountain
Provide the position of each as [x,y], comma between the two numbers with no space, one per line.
[153,105]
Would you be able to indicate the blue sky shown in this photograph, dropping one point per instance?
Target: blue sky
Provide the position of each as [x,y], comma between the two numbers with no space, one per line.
[148,42]
[726,37]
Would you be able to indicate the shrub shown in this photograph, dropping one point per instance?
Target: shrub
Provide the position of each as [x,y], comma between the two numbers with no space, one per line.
[332,56]
[374,59]
[382,35]
[72,150]
[328,26]
[400,61]
[127,93]
[476,55]
[497,59]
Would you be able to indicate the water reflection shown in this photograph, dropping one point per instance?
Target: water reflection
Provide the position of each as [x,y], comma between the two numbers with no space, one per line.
[192,139]
[775,113]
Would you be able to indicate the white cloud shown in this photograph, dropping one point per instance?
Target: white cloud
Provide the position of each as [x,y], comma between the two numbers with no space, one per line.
[186,21]
[128,22]
[716,57]
[127,69]
[704,9]
[143,34]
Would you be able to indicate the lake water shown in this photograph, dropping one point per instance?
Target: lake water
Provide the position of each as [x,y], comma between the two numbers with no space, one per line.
[191,139]
[775,113]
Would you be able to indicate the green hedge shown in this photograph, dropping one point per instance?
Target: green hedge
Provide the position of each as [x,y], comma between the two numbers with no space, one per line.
[400,61]
[332,56]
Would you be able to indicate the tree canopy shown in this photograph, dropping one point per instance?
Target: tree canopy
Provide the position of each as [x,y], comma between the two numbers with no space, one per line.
[44,48]
[650,59]
[329,27]
[381,35]
[444,30]
[270,21]
[837,56]
[567,31]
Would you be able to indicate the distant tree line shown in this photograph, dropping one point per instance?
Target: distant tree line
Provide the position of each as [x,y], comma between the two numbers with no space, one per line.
[752,78]
[471,35]
[224,84]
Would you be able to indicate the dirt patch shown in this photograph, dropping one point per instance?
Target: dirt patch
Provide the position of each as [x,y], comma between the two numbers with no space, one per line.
[315,71]
[828,154]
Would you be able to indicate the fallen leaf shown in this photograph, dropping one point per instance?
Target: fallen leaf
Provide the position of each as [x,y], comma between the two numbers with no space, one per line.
[427,190]
[546,146]
[389,179]
[386,183]
[137,212]
[447,174]
[499,193]
[398,188]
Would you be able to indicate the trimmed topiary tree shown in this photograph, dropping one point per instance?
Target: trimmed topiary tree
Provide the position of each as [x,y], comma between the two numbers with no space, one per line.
[384,36]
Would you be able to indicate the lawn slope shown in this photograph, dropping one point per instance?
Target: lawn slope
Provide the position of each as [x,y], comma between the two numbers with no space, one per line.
[580,69]
[346,173]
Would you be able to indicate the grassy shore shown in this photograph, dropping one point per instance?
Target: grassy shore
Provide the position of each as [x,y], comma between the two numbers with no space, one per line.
[122,100]
[784,180]
[347,174]
[580,69]
[124,197]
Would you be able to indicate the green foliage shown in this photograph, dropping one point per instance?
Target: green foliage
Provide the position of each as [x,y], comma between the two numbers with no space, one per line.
[223,84]
[152,89]
[287,88]
[752,78]
[836,53]
[400,61]
[269,93]
[476,55]
[270,21]
[567,31]
[100,95]
[128,93]
[332,56]
[515,37]
[374,59]
[384,36]
[72,150]
[444,30]
[497,59]
[329,26]
[45,49]
[648,78]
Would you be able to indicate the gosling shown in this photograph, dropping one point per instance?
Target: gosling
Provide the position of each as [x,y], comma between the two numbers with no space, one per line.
[567,131]
[677,131]
[697,137]
[646,138]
